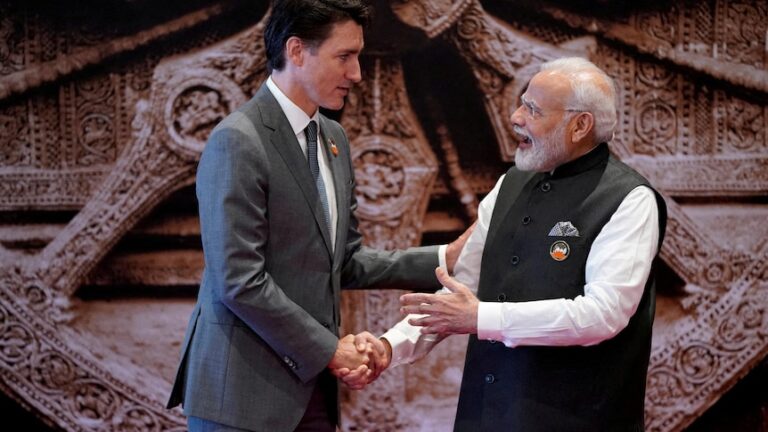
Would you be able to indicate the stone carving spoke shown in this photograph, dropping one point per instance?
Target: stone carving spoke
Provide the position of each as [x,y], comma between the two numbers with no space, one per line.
[503,60]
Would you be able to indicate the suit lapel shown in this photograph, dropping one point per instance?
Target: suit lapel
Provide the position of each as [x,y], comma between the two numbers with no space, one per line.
[284,140]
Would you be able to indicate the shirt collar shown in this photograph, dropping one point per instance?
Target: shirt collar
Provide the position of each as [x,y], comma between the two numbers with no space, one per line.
[297,118]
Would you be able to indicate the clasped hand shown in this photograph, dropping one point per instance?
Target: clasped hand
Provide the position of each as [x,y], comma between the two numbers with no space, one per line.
[360,359]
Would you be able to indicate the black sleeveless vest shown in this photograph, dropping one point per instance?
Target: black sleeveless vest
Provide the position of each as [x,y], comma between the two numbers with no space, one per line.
[573,388]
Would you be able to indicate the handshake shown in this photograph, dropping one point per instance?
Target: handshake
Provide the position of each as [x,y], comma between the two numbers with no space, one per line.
[360,359]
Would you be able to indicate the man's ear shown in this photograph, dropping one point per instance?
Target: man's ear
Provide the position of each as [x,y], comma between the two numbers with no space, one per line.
[294,51]
[583,126]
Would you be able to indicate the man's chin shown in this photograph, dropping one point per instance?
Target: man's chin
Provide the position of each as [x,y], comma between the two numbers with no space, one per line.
[334,106]
[521,162]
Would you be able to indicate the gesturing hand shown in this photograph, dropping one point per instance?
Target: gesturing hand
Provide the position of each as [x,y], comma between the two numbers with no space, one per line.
[452,313]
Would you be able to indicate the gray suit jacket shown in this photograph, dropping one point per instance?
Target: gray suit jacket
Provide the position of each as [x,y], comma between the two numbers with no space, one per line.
[267,316]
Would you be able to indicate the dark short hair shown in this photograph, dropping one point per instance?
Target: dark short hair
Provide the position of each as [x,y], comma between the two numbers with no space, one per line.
[309,20]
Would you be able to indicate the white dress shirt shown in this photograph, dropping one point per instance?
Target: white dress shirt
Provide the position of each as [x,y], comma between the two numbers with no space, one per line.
[299,121]
[617,269]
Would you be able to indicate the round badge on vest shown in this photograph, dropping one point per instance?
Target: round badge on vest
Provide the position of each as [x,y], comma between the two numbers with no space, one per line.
[559,250]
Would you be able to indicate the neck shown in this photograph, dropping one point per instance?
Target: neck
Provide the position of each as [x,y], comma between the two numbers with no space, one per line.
[293,91]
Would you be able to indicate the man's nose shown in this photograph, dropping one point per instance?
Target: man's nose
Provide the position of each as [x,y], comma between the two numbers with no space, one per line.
[354,73]
[518,117]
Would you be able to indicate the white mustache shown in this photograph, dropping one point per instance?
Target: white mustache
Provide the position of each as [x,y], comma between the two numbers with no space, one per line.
[521,132]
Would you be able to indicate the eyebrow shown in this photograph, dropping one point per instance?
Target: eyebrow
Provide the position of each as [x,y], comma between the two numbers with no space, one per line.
[530,102]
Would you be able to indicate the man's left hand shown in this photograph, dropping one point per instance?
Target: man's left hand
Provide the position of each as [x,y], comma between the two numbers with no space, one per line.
[452,313]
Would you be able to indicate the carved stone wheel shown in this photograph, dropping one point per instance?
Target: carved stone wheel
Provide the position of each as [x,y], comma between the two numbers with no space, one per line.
[95,140]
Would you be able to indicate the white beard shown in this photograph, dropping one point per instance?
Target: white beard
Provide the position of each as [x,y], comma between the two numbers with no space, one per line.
[544,154]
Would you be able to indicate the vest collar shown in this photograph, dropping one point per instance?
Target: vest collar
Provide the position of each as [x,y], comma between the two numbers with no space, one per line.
[594,157]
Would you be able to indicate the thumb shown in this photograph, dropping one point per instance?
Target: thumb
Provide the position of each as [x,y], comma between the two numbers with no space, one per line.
[452,284]
[361,342]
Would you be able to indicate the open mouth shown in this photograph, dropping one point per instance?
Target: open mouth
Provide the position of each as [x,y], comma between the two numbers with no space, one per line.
[524,140]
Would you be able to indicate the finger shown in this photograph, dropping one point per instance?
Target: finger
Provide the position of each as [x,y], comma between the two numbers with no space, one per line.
[432,330]
[356,376]
[378,346]
[362,339]
[417,310]
[427,320]
[380,362]
[341,372]
[452,284]
[417,298]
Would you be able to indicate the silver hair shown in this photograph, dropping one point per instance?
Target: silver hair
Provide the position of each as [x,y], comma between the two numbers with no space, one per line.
[592,91]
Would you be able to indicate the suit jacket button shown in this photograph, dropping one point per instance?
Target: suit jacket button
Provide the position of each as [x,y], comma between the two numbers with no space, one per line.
[545,187]
[526,220]
[502,297]
[515,259]
[489,379]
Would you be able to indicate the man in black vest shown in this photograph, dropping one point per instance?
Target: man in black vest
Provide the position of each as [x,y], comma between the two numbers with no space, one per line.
[561,258]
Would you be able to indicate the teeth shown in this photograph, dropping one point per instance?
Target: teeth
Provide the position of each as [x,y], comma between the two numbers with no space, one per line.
[521,134]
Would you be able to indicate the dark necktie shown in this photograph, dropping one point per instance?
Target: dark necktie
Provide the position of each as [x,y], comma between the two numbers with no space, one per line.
[314,169]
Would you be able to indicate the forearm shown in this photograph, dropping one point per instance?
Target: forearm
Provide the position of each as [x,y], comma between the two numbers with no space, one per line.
[411,269]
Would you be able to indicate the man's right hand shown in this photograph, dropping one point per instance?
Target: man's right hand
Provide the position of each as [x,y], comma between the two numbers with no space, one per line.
[348,359]
[379,354]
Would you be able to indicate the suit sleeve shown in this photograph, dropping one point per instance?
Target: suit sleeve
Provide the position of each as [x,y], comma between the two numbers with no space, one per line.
[364,267]
[232,189]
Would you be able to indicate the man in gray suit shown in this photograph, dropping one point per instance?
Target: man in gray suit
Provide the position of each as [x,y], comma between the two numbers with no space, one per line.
[276,201]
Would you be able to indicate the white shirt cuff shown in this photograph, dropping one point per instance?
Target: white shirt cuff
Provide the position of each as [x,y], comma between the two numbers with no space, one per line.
[400,348]
[441,257]
[489,321]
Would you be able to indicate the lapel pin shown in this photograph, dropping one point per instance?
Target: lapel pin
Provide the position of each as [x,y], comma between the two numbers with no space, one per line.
[334,149]
[559,250]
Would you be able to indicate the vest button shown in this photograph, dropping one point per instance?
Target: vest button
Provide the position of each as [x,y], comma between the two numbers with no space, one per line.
[526,220]
[545,187]
[489,379]
[502,297]
[515,259]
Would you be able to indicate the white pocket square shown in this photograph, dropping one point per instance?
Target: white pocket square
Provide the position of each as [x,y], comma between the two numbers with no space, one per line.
[564,229]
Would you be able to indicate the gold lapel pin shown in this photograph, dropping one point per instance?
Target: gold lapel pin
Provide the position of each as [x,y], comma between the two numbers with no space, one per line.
[334,149]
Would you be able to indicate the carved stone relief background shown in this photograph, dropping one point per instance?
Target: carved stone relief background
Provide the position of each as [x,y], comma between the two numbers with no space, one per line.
[104,111]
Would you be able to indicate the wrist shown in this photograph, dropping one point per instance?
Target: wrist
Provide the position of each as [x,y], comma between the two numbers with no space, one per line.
[387,348]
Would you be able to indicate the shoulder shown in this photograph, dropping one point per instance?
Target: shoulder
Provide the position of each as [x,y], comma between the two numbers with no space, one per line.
[617,169]
[333,129]
[236,136]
